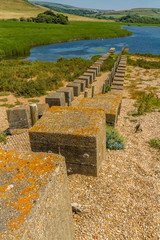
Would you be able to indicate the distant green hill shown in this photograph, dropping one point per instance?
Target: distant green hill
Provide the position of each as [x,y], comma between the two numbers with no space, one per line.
[142,12]
[69,9]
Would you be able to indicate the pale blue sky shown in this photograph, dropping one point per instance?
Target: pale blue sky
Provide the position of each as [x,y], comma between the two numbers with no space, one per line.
[110,4]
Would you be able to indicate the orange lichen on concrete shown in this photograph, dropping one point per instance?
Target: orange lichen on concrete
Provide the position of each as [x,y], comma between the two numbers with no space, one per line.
[22,176]
[70,120]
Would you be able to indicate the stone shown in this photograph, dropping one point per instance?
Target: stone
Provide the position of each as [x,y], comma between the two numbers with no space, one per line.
[118,79]
[91,75]
[78,134]
[119,70]
[42,109]
[112,50]
[76,88]
[55,99]
[83,84]
[68,92]
[116,87]
[119,74]
[86,78]
[110,106]
[94,73]
[19,117]
[35,200]
[118,83]
[96,68]
[34,113]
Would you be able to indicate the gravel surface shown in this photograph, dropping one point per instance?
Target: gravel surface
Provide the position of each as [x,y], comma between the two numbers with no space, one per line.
[123,202]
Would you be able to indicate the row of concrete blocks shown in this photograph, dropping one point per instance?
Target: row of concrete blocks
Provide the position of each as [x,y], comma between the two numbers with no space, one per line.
[118,80]
[66,95]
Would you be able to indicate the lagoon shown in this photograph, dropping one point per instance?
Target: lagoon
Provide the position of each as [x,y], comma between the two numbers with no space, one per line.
[144,40]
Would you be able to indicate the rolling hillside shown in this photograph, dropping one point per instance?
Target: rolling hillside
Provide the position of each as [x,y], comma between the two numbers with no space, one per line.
[142,12]
[22,8]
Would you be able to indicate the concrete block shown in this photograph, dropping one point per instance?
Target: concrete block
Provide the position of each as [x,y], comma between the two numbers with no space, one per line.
[119,83]
[42,109]
[96,68]
[110,106]
[116,87]
[77,134]
[35,200]
[118,79]
[120,75]
[112,50]
[19,117]
[68,92]
[83,84]
[76,88]
[91,75]
[119,70]
[94,73]
[55,99]
[87,79]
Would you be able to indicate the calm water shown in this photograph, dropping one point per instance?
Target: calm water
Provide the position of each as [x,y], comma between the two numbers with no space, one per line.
[144,40]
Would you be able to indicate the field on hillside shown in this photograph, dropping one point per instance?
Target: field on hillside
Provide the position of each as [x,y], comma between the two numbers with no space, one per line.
[18,37]
[155,13]
[19,8]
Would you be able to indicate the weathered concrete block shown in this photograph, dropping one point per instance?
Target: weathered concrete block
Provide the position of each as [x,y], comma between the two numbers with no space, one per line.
[97,65]
[94,73]
[110,106]
[68,92]
[19,117]
[119,74]
[76,88]
[55,99]
[35,200]
[120,70]
[42,109]
[96,68]
[119,79]
[90,75]
[87,79]
[112,50]
[119,83]
[116,87]
[77,134]
[122,65]
[83,84]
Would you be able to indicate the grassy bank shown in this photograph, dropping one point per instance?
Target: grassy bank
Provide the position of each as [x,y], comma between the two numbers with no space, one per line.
[31,79]
[18,37]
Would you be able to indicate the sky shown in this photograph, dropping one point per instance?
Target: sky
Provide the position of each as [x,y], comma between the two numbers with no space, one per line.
[110,4]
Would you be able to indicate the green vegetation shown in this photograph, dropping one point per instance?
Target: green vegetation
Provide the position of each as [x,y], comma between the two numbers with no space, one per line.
[3,94]
[155,143]
[142,12]
[66,8]
[33,79]
[138,19]
[108,88]
[143,63]
[3,99]
[18,37]
[3,138]
[113,139]
[108,63]
[146,102]
[47,17]
[33,100]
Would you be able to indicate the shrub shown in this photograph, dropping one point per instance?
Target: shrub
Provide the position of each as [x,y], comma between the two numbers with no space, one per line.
[146,102]
[155,143]
[113,139]
[108,88]
[3,137]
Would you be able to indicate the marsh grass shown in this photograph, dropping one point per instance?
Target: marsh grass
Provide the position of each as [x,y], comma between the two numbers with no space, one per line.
[3,100]
[18,37]
[31,79]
